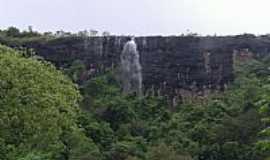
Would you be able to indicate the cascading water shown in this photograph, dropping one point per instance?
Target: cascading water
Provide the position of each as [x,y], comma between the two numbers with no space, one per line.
[131,70]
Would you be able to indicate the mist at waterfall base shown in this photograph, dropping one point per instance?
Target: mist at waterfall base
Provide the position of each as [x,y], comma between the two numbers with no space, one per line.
[130,68]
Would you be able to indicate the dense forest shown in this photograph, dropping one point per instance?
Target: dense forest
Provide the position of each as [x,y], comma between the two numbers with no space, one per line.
[46,113]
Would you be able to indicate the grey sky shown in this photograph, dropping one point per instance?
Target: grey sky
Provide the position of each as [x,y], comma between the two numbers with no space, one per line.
[139,17]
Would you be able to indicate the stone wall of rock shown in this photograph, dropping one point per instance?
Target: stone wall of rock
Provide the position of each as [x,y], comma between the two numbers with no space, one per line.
[169,64]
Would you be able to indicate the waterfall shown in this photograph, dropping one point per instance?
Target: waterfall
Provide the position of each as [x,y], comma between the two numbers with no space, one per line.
[131,70]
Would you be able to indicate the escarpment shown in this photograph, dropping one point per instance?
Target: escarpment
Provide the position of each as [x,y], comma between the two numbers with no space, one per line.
[169,64]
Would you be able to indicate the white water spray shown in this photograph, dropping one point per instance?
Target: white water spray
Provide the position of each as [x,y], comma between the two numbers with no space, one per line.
[131,70]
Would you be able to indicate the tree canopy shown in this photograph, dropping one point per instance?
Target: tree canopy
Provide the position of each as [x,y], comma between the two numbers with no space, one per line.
[38,107]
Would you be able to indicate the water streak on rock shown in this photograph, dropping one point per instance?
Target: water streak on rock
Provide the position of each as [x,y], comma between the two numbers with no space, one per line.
[131,70]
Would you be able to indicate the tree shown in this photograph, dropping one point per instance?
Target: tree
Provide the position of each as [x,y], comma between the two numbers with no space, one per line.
[162,152]
[93,33]
[76,71]
[106,33]
[84,33]
[264,103]
[13,32]
[38,111]
[30,29]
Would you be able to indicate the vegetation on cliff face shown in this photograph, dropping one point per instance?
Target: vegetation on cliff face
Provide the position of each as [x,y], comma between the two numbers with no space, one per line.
[225,126]
[43,117]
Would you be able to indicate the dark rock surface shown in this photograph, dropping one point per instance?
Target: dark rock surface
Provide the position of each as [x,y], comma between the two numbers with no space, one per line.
[168,63]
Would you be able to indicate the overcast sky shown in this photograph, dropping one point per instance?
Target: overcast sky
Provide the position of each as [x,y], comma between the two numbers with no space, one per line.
[139,17]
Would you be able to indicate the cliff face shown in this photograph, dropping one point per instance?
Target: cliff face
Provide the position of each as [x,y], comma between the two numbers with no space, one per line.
[169,64]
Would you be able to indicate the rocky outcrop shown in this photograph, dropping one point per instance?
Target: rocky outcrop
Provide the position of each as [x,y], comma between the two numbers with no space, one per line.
[169,64]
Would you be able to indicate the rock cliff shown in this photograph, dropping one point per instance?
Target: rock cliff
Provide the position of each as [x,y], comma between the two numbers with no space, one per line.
[169,64]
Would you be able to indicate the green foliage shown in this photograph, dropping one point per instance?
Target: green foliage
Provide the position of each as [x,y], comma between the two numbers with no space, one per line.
[13,32]
[121,124]
[99,131]
[79,147]
[76,70]
[39,106]
[225,127]
[264,104]
[34,156]
[162,152]
[41,117]
[16,33]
